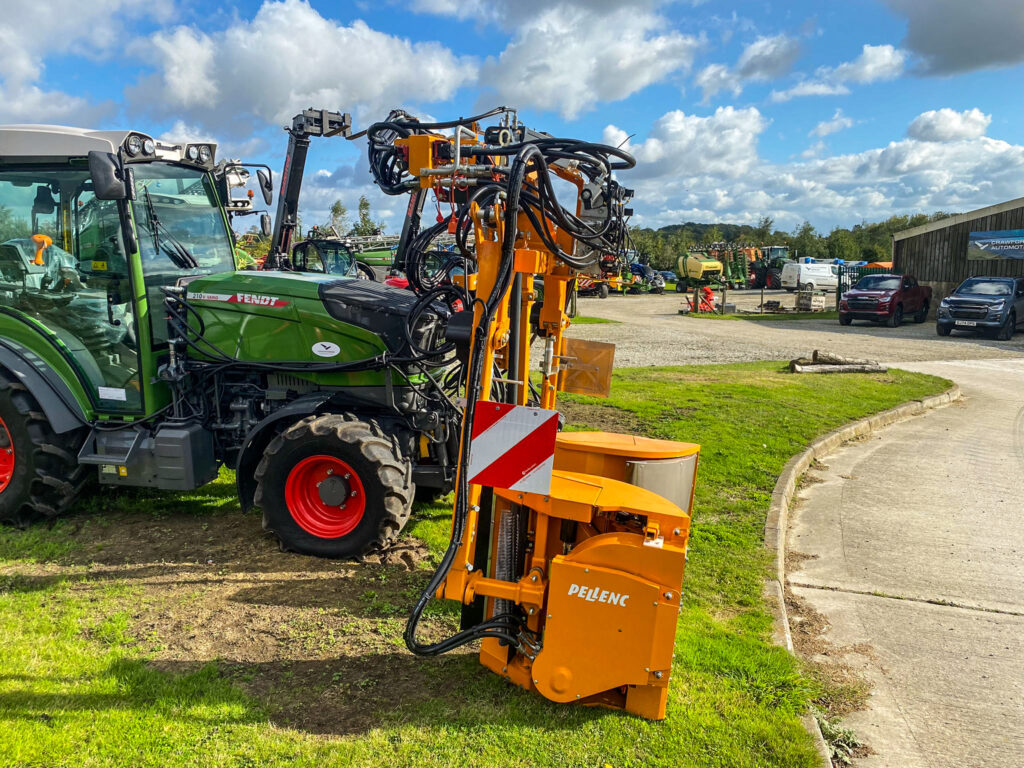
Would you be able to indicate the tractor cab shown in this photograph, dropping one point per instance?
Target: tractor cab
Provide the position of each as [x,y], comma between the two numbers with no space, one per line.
[75,207]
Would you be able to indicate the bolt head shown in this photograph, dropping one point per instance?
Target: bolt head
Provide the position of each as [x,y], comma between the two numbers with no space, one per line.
[668,595]
[647,669]
[530,611]
[534,577]
[469,566]
[677,531]
[330,471]
[659,674]
[549,615]
[536,681]
[319,483]
[347,475]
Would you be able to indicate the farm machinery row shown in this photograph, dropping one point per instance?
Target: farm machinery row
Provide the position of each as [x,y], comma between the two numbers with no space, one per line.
[732,265]
[135,353]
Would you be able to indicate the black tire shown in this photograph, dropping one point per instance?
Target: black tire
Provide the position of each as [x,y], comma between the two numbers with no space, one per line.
[658,290]
[922,314]
[379,468]
[845,320]
[602,291]
[46,477]
[808,286]
[774,279]
[680,286]
[896,318]
[366,272]
[1005,332]
[943,330]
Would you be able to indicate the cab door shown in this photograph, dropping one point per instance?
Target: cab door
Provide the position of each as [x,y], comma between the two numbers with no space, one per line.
[74,279]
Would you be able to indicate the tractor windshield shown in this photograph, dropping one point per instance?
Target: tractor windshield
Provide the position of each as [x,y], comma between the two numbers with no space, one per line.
[181,231]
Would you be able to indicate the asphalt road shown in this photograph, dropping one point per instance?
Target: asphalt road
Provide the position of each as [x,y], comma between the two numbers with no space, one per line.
[650,331]
[916,545]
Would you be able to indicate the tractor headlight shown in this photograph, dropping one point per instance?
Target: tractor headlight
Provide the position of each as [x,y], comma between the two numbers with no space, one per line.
[149,146]
[204,154]
[192,152]
[134,145]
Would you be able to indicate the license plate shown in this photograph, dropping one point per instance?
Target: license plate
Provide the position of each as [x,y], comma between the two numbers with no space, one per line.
[968,323]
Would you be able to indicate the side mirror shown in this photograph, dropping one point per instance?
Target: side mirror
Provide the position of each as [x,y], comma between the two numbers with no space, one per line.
[265,225]
[266,185]
[108,178]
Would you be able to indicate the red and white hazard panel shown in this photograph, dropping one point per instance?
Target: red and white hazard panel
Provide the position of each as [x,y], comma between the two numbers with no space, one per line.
[513,447]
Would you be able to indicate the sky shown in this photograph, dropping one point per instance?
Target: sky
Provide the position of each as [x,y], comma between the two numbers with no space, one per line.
[834,112]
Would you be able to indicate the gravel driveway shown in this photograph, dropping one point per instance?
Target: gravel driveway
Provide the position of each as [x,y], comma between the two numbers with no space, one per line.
[650,331]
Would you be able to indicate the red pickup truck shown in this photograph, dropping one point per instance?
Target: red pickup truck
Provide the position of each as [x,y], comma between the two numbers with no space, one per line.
[885,299]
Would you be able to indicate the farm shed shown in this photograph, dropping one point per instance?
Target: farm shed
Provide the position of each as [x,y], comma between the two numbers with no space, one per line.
[936,253]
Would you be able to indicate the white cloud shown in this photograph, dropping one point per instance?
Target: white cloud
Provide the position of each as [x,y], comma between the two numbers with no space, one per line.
[568,58]
[839,122]
[677,180]
[809,88]
[954,36]
[768,57]
[288,58]
[32,31]
[876,62]
[949,125]
[723,144]
[764,59]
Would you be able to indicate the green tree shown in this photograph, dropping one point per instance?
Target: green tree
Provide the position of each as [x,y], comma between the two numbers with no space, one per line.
[763,231]
[807,242]
[713,235]
[366,225]
[339,217]
[842,245]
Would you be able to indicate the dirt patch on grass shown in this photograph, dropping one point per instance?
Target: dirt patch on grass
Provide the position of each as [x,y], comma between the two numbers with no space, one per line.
[601,417]
[317,642]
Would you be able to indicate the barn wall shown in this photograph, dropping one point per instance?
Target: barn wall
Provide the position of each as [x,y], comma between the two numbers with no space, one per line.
[939,258]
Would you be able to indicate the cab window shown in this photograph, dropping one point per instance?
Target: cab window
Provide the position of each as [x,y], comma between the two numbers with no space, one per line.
[63,264]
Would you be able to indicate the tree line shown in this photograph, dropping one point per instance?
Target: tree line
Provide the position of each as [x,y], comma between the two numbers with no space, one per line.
[862,242]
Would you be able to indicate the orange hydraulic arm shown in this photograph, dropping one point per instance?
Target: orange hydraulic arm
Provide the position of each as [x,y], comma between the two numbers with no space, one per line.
[576,591]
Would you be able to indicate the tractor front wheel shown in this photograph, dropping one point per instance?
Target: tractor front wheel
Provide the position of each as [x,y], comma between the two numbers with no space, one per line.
[333,486]
[39,471]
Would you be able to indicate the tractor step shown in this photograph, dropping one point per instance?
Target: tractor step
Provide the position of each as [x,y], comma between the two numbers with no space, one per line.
[118,446]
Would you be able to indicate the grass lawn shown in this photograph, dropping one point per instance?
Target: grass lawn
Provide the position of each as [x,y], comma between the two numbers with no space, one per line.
[769,317]
[166,630]
[584,320]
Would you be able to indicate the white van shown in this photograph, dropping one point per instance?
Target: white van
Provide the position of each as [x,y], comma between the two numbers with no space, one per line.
[813,277]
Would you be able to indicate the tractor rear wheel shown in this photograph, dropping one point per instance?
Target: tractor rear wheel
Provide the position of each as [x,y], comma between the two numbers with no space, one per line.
[333,486]
[39,471]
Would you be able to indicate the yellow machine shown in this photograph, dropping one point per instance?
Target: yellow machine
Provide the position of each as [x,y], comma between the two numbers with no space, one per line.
[575,591]
[699,267]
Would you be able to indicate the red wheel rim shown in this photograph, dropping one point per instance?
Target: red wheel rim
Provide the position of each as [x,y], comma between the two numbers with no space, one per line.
[6,457]
[325,496]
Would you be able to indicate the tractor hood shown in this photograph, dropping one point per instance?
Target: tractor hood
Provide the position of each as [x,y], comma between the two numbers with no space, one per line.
[376,308]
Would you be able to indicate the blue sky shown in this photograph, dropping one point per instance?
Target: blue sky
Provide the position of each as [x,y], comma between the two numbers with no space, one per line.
[830,112]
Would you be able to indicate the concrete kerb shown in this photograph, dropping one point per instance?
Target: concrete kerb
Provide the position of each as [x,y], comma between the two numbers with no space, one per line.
[777,521]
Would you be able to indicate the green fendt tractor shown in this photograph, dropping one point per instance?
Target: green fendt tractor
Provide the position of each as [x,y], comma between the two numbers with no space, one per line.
[133,352]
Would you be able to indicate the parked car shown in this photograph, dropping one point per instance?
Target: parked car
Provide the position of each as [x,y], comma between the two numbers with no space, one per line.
[885,299]
[670,277]
[810,277]
[987,304]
